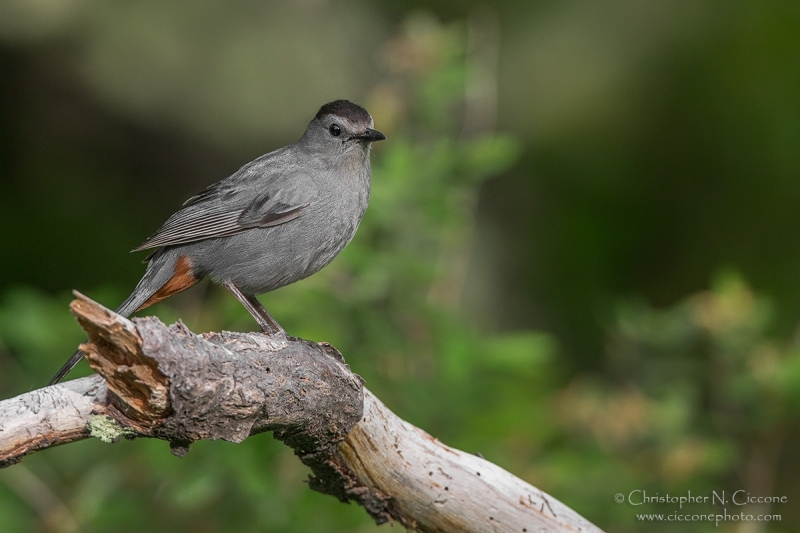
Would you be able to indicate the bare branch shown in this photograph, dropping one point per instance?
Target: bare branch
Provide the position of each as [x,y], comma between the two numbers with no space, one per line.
[167,382]
[48,417]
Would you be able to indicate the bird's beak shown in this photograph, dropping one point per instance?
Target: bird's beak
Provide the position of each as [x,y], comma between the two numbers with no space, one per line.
[370,135]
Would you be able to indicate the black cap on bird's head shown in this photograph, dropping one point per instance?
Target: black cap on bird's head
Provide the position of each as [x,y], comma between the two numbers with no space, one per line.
[349,122]
[345,109]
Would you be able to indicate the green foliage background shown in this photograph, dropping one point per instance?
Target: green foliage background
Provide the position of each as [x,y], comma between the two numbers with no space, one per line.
[578,258]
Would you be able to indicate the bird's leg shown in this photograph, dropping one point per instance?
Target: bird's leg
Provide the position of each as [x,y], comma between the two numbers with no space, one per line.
[273,328]
[254,307]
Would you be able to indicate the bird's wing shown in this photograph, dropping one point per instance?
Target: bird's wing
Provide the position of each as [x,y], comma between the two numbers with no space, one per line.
[227,208]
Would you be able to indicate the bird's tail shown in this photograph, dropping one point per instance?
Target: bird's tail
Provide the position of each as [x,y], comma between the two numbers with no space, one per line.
[160,270]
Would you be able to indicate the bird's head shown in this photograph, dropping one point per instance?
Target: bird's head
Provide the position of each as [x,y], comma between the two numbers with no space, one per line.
[341,127]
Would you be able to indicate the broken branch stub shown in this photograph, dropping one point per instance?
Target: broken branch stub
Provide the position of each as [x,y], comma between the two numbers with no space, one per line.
[114,350]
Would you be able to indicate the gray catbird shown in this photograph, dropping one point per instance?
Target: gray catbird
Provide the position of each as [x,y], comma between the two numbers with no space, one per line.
[277,220]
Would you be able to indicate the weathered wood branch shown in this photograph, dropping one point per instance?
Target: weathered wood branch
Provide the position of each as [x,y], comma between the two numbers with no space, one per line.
[168,383]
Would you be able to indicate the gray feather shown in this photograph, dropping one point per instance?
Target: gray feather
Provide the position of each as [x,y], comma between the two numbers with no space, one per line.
[229,207]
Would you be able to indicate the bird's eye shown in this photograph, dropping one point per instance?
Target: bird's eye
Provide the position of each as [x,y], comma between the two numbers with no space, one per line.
[335,130]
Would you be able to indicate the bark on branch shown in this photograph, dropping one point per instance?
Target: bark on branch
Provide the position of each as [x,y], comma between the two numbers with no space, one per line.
[168,383]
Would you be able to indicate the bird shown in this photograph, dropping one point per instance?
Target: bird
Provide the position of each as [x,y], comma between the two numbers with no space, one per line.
[277,220]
